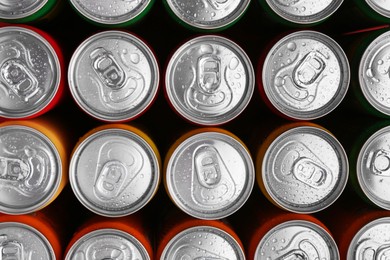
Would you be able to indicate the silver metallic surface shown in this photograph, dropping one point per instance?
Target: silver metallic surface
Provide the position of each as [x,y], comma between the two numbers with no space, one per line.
[210,175]
[371,242]
[374,73]
[305,169]
[114,172]
[30,170]
[380,6]
[17,9]
[107,244]
[203,242]
[304,11]
[305,75]
[209,80]
[110,12]
[373,168]
[113,76]
[19,242]
[297,239]
[29,72]
[208,14]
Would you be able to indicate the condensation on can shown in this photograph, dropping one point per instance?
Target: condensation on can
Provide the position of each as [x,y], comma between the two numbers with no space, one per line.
[209,80]
[303,169]
[209,173]
[305,75]
[115,170]
[30,72]
[114,76]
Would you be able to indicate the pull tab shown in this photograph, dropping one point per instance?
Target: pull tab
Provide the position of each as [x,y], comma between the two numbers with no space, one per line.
[379,163]
[309,69]
[287,3]
[190,252]
[310,173]
[109,251]
[209,72]
[219,4]
[110,180]
[11,250]
[383,253]
[296,254]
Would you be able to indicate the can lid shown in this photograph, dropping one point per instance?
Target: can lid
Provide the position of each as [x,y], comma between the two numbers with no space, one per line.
[297,239]
[380,6]
[371,241]
[209,14]
[113,76]
[209,80]
[210,175]
[374,73]
[203,242]
[373,168]
[110,12]
[107,244]
[306,75]
[304,11]
[305,170]
[29,72]
[19,241]
[17,9]
[30,170]
[114,172]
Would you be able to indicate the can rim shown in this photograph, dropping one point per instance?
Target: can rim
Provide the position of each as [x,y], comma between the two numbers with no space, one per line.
[382,11]
[24,14]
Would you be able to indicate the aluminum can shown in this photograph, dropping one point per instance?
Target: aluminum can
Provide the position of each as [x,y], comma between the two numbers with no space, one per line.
[112,13]
[33,165]
[23,11]
[209,173]
[209,80]
[208,15]
[102,238]
[302,168]
[115,170]
[113,76]
[31,80]
[377,10]
[305,76]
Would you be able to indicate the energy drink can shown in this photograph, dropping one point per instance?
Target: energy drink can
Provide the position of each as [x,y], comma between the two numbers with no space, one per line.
[33,165]
[115,170]
[305,76]
[31,76]
[113,76]
[209,80]
[209,173]
[302,168]
[23,11]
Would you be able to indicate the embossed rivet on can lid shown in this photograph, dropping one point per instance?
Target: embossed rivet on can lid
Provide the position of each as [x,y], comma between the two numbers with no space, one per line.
[203,242]
[374,73]
[210,175]
[17,9]
[373,168]
[113,76]
[209,80]
[297,239]
[371,241]
[382,7]
[304,11]
[305,75]
[29,72]
[107,244]
[114,172]
[19,241]
[30,170]
[304,170]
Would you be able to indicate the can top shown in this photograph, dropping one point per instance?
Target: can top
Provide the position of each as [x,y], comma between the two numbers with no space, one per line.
[107,244]
[209,80]
[373,168]
[114,172]
[305,169]
[30,169]
[304,11]
[17,9]
[19,241]
[371,241]
[306,75]
[374,73]
[203,242]
[110,12]
[210,175]
[297,239]
[113,76]
[29,72]
[380,6]
[209,14]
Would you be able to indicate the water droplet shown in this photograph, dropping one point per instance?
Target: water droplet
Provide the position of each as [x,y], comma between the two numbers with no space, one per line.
[212,14]
[206,48]
[291,46]
[234,62]
[134,57]
[380,62]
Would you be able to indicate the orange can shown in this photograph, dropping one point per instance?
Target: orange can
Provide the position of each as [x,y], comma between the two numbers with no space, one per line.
[106,238]
[33,164]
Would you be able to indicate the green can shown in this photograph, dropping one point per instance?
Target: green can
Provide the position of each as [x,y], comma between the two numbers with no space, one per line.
[377,10]
[25,11]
